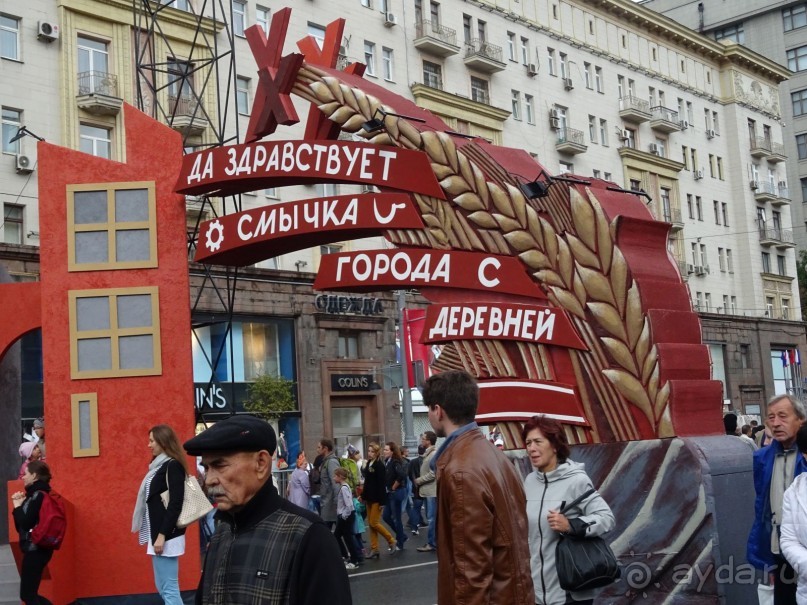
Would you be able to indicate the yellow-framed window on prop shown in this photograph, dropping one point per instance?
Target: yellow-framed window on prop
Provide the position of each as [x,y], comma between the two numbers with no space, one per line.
[111,226]
[84,411]
[115,333]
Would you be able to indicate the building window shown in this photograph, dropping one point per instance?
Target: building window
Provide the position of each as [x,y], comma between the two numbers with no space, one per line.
[239,17]
[716,206]
[606,176]
[515,98]
[690,206]
[387,63]
[598,83]
[592,129]
[525,51]
[111,226]
[433,75]
[95,140]
[563,62]
[720,168]
[366,3]
[529,109]
[799,99]
[84,412]
[596,173]
[180,4]
[797,58]
[801,146]
[479,90]
[604,133]
[348,345]
[9,37]
[242,95]
[785,308]
[766,262]
[699,207]
[317,32]
[780,264]
[724,207]
[794,17]
[550,56]
[12,121]
[566,168]
[587,76]
[732,32]
[262,18]
[271,192]
[511,46]
[721,259]
[12,223]
[93,67]
[369,57]
[330,249]
[180,78]
[114,332]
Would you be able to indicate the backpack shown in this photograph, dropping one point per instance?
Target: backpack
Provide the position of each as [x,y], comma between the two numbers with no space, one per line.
[352,473]
[49,532]
[314,481]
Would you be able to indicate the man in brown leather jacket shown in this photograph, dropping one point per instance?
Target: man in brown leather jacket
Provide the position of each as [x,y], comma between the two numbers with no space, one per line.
[483,554]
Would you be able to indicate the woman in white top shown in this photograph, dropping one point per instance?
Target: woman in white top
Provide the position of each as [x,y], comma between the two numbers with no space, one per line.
[793,536]
[156,522]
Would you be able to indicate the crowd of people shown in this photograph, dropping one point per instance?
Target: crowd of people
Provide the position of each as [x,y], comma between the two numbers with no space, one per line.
[498,533]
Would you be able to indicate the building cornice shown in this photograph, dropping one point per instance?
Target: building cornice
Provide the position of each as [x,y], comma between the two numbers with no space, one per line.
[168,15]
[642,159]
[440,101]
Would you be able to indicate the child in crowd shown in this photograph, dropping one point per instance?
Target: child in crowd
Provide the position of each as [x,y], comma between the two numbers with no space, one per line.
[346,517]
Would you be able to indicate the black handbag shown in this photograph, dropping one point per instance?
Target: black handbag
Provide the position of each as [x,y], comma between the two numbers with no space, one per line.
[584,563]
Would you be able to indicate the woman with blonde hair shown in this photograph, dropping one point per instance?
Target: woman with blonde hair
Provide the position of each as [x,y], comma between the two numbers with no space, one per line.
[156,522]
[374,495]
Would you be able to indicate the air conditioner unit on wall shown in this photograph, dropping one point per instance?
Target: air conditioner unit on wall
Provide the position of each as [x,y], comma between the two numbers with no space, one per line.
[699,270]
[754,185]
[655,149]
[710,134]
[690,268]
[390,19]
[554,123]
[568,84]
[554,113]
[698,174]
[624,135]
[532,69]
[683,124]
[25,165]
[47,30]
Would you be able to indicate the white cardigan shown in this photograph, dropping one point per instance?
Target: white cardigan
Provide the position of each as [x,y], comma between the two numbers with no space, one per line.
[793,541]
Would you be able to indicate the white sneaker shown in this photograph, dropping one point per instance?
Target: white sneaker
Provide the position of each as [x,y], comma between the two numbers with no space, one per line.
[350,565]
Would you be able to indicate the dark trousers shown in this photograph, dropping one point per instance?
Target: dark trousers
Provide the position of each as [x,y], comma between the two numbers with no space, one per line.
[33,564]
[346,538]
[784,584]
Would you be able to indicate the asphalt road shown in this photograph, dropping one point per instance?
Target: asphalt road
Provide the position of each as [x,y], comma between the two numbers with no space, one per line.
[408,577]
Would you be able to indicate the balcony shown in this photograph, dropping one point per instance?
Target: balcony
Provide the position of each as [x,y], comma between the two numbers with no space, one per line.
[188,117]
[633,109]
[673,216]
[683,269]
[773,236]
[764,191]
[98,93]
[484,56]
[782,196]
[760,147]
[664,120]
[777,153]
[571,141]
[436,39]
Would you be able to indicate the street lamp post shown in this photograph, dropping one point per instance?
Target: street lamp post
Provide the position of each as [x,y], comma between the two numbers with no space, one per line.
[406,395]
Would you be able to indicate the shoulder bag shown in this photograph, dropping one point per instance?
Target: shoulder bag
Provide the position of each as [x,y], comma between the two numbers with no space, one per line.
[584,563]
[195,504]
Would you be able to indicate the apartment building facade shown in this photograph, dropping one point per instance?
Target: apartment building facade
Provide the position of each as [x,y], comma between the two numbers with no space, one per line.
[606,89]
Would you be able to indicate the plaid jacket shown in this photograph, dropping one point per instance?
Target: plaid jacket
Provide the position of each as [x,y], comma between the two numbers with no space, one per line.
[272,552]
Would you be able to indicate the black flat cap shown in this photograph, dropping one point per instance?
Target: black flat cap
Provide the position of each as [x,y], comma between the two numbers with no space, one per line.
[240,433]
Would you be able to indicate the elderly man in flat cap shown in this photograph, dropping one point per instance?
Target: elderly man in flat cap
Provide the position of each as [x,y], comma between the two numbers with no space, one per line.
[266,549]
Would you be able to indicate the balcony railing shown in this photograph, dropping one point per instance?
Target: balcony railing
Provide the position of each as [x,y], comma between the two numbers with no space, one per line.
[485,49]
[97,82]
[784,236]
[633,103]
[435,30]
[764,187]
[760,146]
[660,112]
[784,192]
[184,106]
[778,148]
[571,135]
[672,215]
